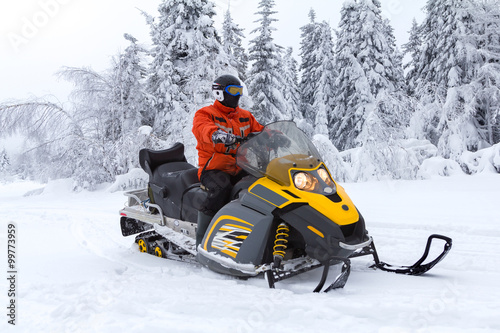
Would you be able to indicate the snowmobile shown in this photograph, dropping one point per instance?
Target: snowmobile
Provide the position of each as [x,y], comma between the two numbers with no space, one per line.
[288,216]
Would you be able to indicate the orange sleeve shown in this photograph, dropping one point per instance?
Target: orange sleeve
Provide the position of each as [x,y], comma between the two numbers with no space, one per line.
[203,126]
[255,125]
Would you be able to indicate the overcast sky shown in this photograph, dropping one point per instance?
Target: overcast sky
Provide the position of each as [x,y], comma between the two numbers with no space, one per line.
[38,37]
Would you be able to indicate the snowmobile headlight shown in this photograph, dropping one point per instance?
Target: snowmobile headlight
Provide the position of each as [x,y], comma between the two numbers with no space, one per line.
[326,177]
[304,181]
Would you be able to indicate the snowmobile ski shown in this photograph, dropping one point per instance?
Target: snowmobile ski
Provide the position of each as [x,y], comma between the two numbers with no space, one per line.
[341,279]
[274,275]
[418,268]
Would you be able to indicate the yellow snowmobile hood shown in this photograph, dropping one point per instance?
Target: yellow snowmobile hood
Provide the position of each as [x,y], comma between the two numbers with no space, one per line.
[340,211]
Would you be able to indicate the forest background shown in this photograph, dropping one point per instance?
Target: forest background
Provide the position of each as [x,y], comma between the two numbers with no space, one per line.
[375,111]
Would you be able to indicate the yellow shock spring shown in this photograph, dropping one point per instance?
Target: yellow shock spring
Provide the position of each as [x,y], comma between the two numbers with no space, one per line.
[281,240]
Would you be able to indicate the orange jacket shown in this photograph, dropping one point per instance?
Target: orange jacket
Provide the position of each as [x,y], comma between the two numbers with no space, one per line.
[209,119]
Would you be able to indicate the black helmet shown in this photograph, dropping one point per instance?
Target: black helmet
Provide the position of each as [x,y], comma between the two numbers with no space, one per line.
[227,89]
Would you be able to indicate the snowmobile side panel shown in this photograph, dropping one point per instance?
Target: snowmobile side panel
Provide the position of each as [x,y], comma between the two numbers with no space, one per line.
[269,195]
[239,233]
[255,203]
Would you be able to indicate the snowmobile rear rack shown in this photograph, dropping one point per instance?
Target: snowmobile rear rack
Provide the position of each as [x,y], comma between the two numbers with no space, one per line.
[137,216]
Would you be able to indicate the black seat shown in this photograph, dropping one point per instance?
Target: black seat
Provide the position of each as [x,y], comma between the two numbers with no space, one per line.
[151,159]
[176,177]
[173,182]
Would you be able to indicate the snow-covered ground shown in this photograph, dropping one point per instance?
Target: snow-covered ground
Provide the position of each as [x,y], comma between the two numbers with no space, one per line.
[76,273]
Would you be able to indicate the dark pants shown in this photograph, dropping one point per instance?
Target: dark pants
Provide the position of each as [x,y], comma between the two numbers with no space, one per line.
[219,185]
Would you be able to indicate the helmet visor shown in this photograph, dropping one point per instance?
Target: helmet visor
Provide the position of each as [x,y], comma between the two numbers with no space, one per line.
[234,90]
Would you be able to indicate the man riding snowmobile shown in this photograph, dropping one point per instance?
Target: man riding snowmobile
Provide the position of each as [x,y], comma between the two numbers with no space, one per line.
[217,129]
[286,217]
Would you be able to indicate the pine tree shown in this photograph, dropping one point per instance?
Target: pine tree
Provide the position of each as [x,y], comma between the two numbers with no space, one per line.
[453,68]
[290,89]
[369,83]
[232,36]
[309,80]
[187,57]
[266,82]
[486,83]
[396,68]
[412,48]
[4,161]
[324,93]
[441,50]
[128,95]
[352,87]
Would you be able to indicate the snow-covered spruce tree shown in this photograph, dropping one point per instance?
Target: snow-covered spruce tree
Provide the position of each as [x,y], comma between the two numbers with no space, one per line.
[130,72]
[486,82]
[265,79]
[412,48]
[396,73]
[369,77]
[290,89]
[309,81]
[352,87]
[322,97]
[439,68]
[371,110]
[232,36]
[4,162]
[324,71]
[129,102]
[454,76]
[445,35]
[187,57]
[127,90]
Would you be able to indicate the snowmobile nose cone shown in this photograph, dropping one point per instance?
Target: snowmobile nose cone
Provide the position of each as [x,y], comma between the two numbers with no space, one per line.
[345,207]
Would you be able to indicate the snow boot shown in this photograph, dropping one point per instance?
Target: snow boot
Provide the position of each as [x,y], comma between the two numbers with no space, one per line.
[203,223]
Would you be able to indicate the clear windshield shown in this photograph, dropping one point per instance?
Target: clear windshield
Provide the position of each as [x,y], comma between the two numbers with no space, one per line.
[281,146]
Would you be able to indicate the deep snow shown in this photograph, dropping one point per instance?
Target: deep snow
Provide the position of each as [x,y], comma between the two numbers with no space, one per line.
[76,273]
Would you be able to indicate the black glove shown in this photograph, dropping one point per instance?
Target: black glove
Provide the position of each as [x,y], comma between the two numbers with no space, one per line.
[227,139]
